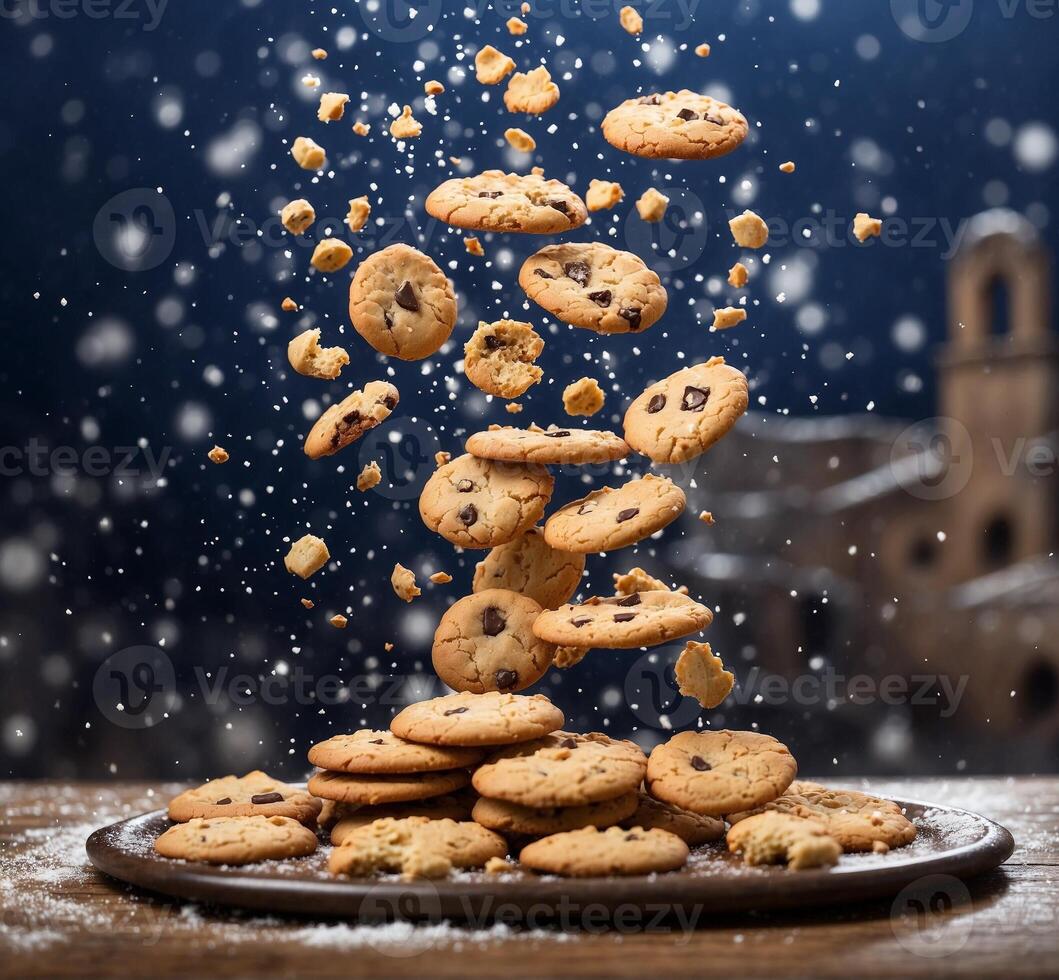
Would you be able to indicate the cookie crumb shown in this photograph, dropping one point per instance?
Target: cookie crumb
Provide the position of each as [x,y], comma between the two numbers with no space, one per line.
[473,246]
[370,476]
[637,580]
[319,54]
[788,167]
[308,154]
[630,20]
[387,647]
[652,205]
[311,81]
[441,578]
[749,230]
[583,397]
[703,50]
[516,26]
[442,457]
[525,8]
[297,216]
[338,621]
[359,212]
[569,656]
[603,194]
[707,518]
[308,358]
[499,866]
[288,305]
[492,66]
[701,675]
[738,275]
[403,581]
[729,316]
[532,92]
[433,87]
[865,227]
[331,254]
[361,128]
[405,127]
[308,603]
[772,837]
[332,106]
[306,556]
[218,455]
[513,408]
[520,140]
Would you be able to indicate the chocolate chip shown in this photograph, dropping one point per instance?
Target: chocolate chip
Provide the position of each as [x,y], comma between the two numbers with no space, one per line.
[390,402]
[469,515]
[687,115]
[464,486]
[267,798]
[628,514]
[493,343]
[493,621]
[561,206]
[624,617]
[716,120]
[656,404]
[405,297]
[387,319]
[694,399]
[633,316]
[223,802]
[377,741]
[601,297]
[585,509]
[630,600]
[506,679]
[455,711]
[351,418]
[698,762]
[543,274]
[581,621]
[557,434]
[492,195]
[578,271]
[568,743]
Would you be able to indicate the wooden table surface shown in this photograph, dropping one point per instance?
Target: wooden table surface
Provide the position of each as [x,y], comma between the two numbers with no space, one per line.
[58,917]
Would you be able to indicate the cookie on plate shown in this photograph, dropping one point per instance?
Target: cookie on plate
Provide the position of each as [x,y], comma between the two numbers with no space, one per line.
[642,619]
[347,421]
[384,753]
[416,847]
[478,719]
[498,359]
[479,503]
[591,853]
[485,642]
[858,821]
[511,818]
[779,838]
[692,828]
[675,126]
[373,788]
[591,285]
[452,806]
[719,772]
[682,416]
[532,567]
[551,445]
[252,795]
[401,303]
[608,519]
[495,201]
[562,769]
[236,840]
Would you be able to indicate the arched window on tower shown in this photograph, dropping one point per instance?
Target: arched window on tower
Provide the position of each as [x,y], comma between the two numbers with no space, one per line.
[998,307]
[998,544]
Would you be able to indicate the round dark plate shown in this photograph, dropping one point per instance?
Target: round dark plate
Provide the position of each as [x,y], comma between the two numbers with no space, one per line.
[951,842]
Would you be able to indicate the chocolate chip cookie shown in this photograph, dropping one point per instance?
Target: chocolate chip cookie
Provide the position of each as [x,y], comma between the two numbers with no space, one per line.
[478,719]
[779,838]
[547,446]
[692,828]
[591,853]
[532,567]
[498,359]
[511,818]
[675,126]
[255,794]
[383,752]
[236,840]
[347,421]
[374,788]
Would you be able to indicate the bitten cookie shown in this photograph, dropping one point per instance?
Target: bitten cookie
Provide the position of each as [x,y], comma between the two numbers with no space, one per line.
[623,622]
[720,772]
[562,769]
[701,675]
[401,303]
[383,752]
[478,719]
[682,416]
[547,446]
[498,359]
[608,519]
[590,853]
[775,838]
[594,286]
[675,126]
[510,818]
[478,503]
[858,821]
[373,789]
[485,642]
[236,840]
[692,828]
[532,567]
[495,201]
[255,794]
[347,421]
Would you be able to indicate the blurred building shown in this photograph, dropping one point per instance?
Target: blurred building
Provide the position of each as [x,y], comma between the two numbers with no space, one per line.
[869,546]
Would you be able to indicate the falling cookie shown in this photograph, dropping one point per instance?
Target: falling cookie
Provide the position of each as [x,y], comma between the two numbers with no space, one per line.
[255,794]
[701,675]
[369,751]
[608,519]
[307,357]
[478,719]
[530,566]
[347,421]
[675,126]
[478,503]
[547,446]
[498,359]
[236,840]
[592,285]
[592,853]
[401,303]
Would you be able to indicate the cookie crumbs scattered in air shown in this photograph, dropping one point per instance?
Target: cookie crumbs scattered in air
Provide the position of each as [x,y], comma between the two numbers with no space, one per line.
[738,275]
[308,603]
[387,647]
[603,194]
[652,205]
[311,81]
[306,556]
[703,50]
[455,161]
[308,358]
[359,212]
[566,657]
[433,87]
[405,127]
[338,621]
[331,254]
[584,397]
[370,476]
[297,216]
[788,167]
[520,140]
[441,578]
[516,26]
[308,154]
[707,518]
[332,106]
[404,585]
[473,246]
[218,455]
[442,457]
[491,65]
[631,20]
[513,408]
[361,128]
[288,305]
[531,92]
[865,227]
[319,54]
[729,316]
[749,230]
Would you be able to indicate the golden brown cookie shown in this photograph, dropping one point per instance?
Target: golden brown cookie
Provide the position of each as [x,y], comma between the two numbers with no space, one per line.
[532,567]
[495,201]
[255,794]
[675,126]
[347,421]
[692,828]
[498,359]
[701,675]
[478,719]
[372,789]
[236,840]
[591,853]
[452,806]
[548,446]
[511,818]
[774,838]
[369,751]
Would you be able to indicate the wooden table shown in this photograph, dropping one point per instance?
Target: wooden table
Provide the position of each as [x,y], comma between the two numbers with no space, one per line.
[58,917]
